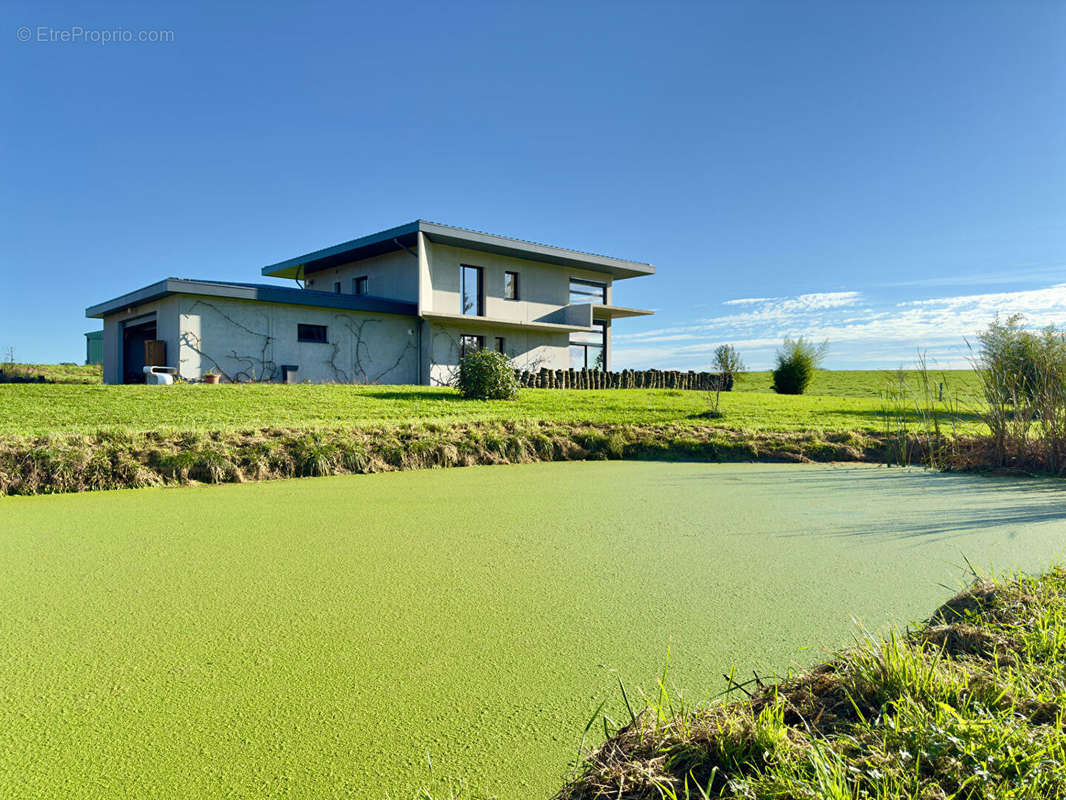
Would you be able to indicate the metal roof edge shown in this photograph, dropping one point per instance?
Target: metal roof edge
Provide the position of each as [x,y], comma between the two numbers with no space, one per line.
[254,292]
[363,241]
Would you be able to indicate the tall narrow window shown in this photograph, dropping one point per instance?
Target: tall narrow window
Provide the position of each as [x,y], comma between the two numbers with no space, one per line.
[582,291]
[359,285]
[468,344]
[500,345]
[588,350]
[472,290]
[337,287]
[510,286]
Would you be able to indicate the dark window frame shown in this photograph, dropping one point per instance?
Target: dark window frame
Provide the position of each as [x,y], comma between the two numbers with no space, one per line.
[360,284]
[478,339]
[479,311]
[602,346]
[309,333]
[501,345]
[514,284]
[336,287]
[589,285]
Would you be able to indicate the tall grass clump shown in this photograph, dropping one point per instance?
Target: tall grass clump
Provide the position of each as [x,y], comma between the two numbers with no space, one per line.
[486,375]
[796,362]
[921,415]
[1023,380]
[968,704]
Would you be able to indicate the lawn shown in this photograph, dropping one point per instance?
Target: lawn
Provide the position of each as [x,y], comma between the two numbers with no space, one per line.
[838,401]
[332,637]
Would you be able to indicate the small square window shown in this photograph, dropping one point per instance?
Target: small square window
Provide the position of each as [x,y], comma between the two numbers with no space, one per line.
[311,333]
[468,344]
[510,286]
[359,285]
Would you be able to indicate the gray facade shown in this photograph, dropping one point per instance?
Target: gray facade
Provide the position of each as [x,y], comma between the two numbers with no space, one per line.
[396,307]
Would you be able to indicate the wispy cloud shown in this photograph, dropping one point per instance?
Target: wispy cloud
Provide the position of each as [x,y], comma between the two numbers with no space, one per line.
[861,329]
[747,301]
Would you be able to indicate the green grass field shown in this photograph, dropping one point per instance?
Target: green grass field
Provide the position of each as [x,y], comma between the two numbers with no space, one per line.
[57,373]
[331,637]
[837,401]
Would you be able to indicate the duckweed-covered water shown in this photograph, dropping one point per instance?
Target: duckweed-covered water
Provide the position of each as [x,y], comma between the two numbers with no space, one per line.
[333,637]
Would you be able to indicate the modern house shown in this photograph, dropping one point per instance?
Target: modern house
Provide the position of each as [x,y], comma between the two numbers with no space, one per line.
[400,306]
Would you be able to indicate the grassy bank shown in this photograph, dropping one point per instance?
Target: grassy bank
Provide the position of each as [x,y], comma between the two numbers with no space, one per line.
[120,460]
[969,704]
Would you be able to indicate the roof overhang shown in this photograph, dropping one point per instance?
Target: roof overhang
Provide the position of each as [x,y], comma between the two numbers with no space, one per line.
[473,322]
[601,311]
[251,291]
[406,237]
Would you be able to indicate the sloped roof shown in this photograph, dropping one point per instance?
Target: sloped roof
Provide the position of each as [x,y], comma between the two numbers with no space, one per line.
[406,236]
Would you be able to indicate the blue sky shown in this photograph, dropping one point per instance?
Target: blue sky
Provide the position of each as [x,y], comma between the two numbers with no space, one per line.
[884,175]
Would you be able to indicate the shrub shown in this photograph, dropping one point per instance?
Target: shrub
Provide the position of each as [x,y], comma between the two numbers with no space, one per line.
[486,375]
[1023,376]
[1011,358]
[727,361]
[796,362]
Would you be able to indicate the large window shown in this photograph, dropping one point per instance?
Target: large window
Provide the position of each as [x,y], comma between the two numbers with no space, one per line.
[587,291]
[588,350]
[510,286]
[311,333]
[472,290]
[469,343]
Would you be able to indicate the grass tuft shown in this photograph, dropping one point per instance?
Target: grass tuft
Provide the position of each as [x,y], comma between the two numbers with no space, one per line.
[970,704]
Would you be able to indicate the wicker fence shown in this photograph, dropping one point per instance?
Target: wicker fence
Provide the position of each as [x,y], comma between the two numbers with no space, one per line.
[626,379]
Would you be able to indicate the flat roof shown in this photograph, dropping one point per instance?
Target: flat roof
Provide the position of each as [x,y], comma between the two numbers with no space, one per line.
[263,292]
[406,237]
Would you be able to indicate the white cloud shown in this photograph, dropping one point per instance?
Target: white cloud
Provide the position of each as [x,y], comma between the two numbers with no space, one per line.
[746,301]
[859,329]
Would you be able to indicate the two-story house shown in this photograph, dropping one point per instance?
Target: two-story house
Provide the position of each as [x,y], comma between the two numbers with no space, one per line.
[397,307]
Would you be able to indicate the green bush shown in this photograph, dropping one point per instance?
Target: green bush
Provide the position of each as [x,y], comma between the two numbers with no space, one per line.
[1014,358]
[486,375]
[796,362]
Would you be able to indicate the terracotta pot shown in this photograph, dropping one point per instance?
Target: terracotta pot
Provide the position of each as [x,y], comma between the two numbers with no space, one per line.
[212,378]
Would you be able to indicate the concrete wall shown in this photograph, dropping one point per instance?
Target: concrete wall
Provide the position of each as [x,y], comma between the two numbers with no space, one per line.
[392,275]
[166,318]
[246,340]
[528,350]
[542,288]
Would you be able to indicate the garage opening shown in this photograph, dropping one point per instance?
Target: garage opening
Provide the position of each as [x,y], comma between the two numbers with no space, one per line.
[134,357]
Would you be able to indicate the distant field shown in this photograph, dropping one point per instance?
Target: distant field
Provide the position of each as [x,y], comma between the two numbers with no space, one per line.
[57,373]
[866,383]
[838,401]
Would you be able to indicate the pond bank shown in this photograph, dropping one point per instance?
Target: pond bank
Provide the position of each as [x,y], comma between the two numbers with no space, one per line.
[122,460]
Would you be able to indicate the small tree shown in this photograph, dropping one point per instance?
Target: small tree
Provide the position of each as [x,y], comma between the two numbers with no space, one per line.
[486,375]
[728,364]
[796,362]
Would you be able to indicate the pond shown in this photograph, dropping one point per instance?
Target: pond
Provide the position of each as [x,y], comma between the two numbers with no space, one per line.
[336,636]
